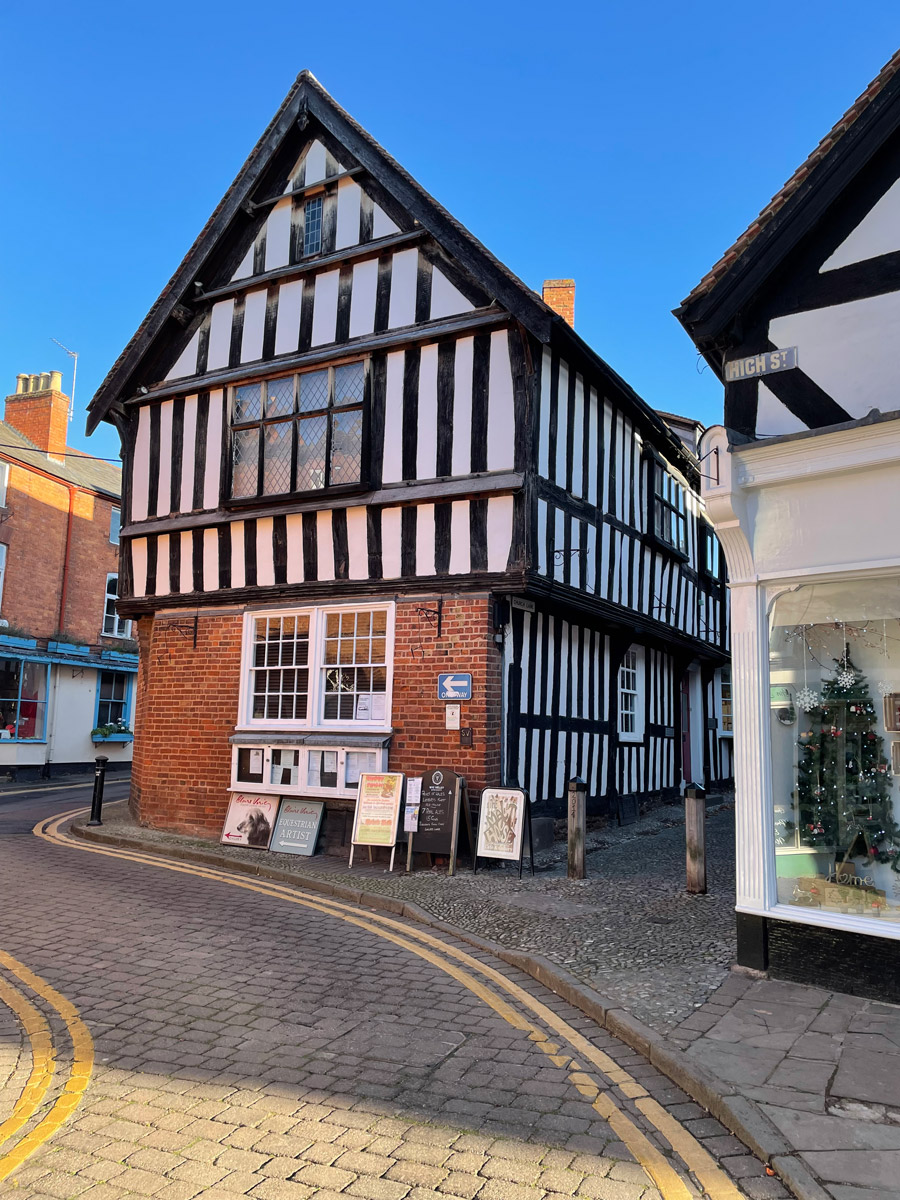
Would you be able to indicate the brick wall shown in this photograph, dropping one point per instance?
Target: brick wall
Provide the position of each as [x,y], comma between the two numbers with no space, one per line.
[559,294]
[188,705]
[186,711]
[35,535]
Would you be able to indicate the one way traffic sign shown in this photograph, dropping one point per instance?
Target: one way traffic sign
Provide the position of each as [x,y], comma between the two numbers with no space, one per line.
[455,687]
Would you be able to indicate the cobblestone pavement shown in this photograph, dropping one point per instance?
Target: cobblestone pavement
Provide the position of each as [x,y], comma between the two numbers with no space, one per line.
[251,1045]
[629,930]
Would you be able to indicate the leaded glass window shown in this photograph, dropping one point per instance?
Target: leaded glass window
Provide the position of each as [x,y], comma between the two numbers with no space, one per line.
[312,226]
[298,433]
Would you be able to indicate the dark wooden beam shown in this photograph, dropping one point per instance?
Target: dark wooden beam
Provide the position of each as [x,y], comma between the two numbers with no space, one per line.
[410,335]
[312,265]
[407,492]
[254,205]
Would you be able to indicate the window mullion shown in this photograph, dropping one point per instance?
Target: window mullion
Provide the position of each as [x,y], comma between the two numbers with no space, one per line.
[329,419]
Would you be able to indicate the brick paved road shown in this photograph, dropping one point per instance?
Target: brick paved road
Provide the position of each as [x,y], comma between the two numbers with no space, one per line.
[248,1046]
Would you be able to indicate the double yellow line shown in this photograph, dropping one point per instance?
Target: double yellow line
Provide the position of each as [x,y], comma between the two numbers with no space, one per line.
[465,969]
[43,1063]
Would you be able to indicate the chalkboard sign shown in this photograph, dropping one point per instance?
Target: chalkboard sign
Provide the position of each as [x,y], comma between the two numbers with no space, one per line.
[297,827]
[438,812]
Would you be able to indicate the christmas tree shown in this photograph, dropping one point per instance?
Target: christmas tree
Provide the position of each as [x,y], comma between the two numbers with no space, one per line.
[843,778]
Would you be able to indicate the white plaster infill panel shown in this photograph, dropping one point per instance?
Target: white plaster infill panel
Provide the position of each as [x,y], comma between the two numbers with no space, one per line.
[877,233]
[849,350]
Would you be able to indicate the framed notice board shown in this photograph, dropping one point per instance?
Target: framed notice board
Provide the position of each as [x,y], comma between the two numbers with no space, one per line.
[377,814]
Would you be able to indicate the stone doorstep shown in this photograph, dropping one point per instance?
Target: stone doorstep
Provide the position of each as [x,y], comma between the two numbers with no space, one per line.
[740,1115]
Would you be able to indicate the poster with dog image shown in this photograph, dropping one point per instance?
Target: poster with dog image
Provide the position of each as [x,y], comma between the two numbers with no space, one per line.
[250,820]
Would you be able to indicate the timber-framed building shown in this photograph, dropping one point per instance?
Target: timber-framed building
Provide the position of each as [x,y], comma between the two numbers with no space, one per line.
[360,453]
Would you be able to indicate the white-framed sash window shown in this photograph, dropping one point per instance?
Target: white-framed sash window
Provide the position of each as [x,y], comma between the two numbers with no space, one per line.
[631,695]
[318,668]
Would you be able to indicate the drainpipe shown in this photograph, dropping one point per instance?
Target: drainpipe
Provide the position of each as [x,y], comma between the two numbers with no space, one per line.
[65,579]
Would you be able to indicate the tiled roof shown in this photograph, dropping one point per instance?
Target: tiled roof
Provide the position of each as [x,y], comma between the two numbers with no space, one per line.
[728,259]
[79,468]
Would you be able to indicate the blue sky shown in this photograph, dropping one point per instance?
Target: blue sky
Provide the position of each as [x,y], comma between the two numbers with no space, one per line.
[624,144]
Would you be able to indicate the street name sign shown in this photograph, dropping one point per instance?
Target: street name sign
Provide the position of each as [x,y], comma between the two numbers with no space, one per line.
[457,686]
[761,364]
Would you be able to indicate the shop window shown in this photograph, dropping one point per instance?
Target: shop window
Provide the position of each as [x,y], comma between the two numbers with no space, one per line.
[304,770]
[631,687]
[319,668]
[23,700]
[669,516]
[835,733]
[299,433]
[113,624]
[113,698]
[726,717]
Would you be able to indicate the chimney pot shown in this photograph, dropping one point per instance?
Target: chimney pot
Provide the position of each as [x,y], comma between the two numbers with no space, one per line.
[21,382]
[45,381]
[39,409]
[559,294]
[56,381]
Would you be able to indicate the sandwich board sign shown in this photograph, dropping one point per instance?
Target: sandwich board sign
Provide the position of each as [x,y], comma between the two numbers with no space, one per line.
[250,820]
[297,827]
[502,816]
[443,801]
[377,814]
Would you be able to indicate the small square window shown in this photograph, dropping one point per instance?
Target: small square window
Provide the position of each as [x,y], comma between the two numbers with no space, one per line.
[312,226]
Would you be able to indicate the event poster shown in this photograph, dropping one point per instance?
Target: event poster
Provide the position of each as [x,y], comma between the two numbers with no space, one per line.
[413,800]
[377,809]
[250,820]
[298,825]
[501,823]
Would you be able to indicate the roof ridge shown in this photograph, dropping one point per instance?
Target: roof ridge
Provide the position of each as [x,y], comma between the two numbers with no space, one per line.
[778,201]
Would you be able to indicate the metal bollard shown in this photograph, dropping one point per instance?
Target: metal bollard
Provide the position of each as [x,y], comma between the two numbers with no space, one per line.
[99,779]
[577,797]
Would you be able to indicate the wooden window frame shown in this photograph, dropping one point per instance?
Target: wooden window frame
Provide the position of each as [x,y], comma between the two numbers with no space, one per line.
[315,720]
[229,501]
[640,683]
[122,629]
[726,718]
[658,502]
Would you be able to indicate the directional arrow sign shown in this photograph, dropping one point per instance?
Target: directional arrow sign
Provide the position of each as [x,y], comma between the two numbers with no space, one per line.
[455,687]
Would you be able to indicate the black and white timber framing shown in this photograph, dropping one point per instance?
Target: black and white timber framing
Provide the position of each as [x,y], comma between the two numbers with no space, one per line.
[500,454]
[822,273]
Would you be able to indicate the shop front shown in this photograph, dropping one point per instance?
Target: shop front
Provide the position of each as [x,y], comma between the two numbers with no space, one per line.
[814,564]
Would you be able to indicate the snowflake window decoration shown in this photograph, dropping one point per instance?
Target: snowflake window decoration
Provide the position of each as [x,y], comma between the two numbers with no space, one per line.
[807,699]
[846,678]
[885,688]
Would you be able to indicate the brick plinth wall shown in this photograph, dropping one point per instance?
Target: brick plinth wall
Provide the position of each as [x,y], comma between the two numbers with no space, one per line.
[187,708]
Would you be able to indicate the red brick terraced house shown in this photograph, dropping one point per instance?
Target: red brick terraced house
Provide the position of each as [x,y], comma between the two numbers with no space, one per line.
[67,663]
[360,453]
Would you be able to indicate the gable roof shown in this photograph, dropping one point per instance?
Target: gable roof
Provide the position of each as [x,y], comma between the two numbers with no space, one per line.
[307,98]
[848,143]
[79,468]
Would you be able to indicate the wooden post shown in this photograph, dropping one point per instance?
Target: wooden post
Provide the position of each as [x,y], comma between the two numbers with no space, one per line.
[577,796]
[695,838]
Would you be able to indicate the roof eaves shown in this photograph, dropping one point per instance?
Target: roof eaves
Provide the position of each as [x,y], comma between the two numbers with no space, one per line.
[781,198]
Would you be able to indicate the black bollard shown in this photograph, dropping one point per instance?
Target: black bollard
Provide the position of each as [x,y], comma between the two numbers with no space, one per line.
[97,799]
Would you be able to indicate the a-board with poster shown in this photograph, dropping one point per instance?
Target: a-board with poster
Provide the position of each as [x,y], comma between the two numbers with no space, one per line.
[377,813]
[250,820]
[298,825]
[502,817]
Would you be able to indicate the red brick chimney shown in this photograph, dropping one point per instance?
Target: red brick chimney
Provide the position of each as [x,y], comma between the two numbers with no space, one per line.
[40,410]
[559,294]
